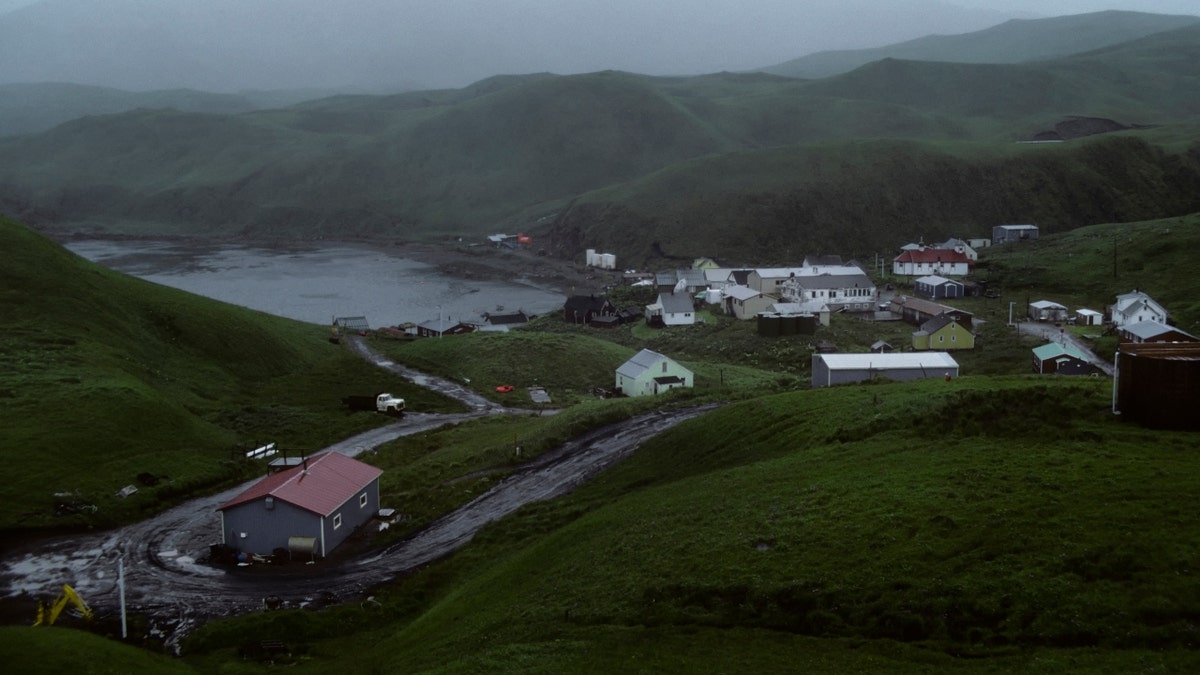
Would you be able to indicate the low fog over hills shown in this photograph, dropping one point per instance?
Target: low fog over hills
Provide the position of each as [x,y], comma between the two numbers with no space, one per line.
[228,45]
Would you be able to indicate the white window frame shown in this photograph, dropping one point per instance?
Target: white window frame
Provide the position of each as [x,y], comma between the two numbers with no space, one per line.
[337,520]
[362,501]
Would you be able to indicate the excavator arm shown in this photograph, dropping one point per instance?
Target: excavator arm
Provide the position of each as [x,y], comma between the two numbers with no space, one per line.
[48,612]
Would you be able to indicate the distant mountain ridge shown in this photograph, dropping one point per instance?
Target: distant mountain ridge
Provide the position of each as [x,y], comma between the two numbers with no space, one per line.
[1015,41]
[732,162]
[33,107]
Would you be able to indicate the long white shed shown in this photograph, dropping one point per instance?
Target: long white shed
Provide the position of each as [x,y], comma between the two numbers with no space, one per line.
[831,369]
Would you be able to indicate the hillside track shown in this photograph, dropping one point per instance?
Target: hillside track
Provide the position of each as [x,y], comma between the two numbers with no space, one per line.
[168,581]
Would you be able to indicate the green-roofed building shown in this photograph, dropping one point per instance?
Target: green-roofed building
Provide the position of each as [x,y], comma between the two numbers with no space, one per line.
[1061,359]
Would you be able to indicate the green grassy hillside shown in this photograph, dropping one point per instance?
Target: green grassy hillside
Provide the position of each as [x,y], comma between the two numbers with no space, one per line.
[890,527]
[1015,41]
[105,377]
[864,197]
[29,108]
[851,157]
[41,650]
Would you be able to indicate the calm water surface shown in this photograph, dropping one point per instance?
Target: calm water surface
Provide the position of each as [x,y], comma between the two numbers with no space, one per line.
[319,284]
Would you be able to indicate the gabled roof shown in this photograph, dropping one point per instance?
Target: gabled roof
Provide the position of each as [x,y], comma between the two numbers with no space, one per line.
[1046,304]
[439,325]
[741,292]
[676,303]
[1056,349]
[935,280]
[937,323]
[1018,227]
[352,322]
[827,281]
[1151,329]
[740,277]
[1128,303]
[584,303]
[717,275]
[927,307]
[500,319]
[639,363]
[952,243]
[932,255]
[329,480]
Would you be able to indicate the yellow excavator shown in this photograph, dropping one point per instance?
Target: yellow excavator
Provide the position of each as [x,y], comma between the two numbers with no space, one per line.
[48,611]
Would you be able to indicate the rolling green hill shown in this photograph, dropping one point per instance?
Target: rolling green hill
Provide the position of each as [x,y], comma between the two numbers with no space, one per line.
[728,163]
[1016,41]
[985,525]
[862,198]
[29,108]
[896,527]
[102,370]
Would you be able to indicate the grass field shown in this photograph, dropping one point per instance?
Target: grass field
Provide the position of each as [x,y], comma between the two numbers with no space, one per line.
[1013,521]
[105,378]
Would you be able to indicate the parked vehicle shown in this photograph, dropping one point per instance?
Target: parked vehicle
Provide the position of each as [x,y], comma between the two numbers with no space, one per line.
[384,403]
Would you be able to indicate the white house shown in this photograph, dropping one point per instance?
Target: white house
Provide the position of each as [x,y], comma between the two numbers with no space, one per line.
[853,292]
[649,372]
[1136,306]
[672,309]
[960,246]
[939,261]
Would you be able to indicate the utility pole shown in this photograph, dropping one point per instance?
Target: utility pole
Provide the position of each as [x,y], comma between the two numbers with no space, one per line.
[121,589]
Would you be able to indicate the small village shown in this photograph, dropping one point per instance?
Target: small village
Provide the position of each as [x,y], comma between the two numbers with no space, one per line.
[800,300]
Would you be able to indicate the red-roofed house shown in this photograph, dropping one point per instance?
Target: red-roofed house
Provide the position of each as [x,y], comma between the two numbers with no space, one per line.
[322,499]
[926,261]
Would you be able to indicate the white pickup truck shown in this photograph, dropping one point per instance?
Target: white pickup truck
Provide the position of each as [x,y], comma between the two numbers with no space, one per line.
[384,403]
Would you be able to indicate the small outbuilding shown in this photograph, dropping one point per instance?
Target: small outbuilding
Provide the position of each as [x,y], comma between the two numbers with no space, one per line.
[937,287]
[1061,359]
[1047,310]
[1006,234]
[831,369]
[648,373]
[324,498]
[1088,317]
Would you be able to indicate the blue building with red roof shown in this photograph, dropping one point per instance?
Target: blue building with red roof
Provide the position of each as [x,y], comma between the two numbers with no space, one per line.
[318,502]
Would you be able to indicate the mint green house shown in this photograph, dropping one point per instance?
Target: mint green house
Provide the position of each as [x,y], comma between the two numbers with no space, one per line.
[649,373]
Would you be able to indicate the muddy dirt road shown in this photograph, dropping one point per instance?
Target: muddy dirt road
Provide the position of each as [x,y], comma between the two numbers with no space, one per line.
[166,583]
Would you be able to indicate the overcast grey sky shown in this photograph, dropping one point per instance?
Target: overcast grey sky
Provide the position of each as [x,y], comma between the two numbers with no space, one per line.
[224,45]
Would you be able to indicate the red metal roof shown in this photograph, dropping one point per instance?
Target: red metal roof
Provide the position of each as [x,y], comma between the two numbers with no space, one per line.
[326,484]
[932,255]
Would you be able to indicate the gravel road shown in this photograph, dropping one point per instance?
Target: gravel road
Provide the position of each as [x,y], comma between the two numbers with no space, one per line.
[166,582]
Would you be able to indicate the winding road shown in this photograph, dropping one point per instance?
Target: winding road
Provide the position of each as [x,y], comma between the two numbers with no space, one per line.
[165,583]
